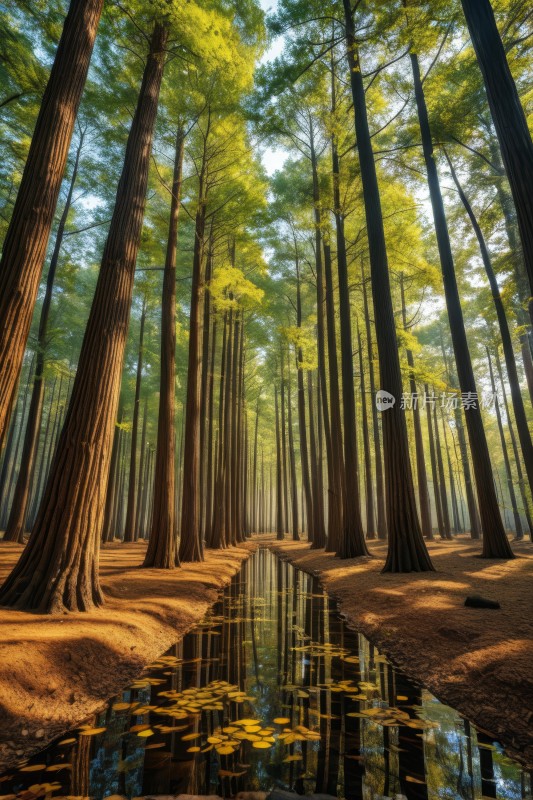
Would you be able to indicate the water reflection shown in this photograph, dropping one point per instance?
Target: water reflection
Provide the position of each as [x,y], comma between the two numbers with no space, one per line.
[272,689]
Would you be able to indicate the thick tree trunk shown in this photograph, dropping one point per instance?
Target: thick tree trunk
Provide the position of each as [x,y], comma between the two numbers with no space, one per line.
[407,550]
[495,542]
[17,518]
[58,571]
[129,525]
[509,120]
[24,247]
[162,547]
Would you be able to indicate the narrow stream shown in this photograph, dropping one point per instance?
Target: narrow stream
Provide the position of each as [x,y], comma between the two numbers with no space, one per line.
[273,690]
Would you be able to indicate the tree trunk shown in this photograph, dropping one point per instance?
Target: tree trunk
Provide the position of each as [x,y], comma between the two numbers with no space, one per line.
[292,459]
[507,342]
[17,518]
[445,530]
[129,525]
[370,524]
[58,571]
[140,478]
[434,473]
[279,488]
[191,548]
[26,240]
[319,533]
[407,551]
[380,498]
[421,473]
[495,542]
[162,548]
[304,456]
[521,482]
[508,474]
[509,120]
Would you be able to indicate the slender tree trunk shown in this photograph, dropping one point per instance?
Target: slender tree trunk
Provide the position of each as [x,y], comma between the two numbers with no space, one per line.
[107,527]
[20,431]
[284,446]
[17,518]
[380,495]
[421,473]
[304,456]
[279,488]
[508,351]
[509,475]
[509,120]
[211,450]
[204,377]
[26,240]
[434,473]
[191,548]
[407,550]
[140,478]
[129,525]
[319,533]
[495,542]
[370,524]
[58,570]
[521,482]
[162,548]
[445,531]
[292,460]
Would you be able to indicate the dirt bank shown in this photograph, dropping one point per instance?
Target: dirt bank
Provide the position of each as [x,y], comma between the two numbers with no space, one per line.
[57,671]
[477,660]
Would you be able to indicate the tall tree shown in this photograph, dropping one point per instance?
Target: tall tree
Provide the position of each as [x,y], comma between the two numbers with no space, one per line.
[508,117]
[58,570]
[495,542]
[407,550]
[26,240]
[162,547]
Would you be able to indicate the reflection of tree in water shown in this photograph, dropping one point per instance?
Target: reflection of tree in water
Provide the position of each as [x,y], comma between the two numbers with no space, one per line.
[354,727]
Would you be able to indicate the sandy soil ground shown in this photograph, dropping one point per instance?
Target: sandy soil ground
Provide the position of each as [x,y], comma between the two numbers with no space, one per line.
[478,660]
[57,671]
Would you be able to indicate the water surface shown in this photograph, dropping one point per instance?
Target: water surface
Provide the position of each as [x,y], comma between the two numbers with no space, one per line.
[272,689]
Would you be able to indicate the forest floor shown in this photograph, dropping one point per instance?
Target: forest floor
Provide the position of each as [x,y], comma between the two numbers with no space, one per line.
[477,660]
[55,672]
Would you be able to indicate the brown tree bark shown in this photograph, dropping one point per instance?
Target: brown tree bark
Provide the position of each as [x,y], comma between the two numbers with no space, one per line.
[421,473]
[509,120]
[292,458]
[191,546]
[516,395]
[319,533]
[162,549]
[58,570]
[279,478]
[495,542]
[369,493]
[19,506]
[519,531]
[129,525]
[407,550]
[24,247]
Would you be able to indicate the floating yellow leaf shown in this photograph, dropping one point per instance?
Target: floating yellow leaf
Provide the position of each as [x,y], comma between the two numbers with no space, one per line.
[224,750]
[146,733]
[190,736]
[91,731]
[282,720]
[193,749]
[33,768]
[295,757]
[262,744]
